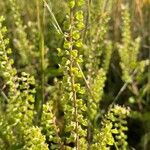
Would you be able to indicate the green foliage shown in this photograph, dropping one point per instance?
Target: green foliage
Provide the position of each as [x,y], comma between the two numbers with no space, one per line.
[21,42]
[129,49]
[73,105]
[65,99]
[34,139]
[49,126]
[112,131]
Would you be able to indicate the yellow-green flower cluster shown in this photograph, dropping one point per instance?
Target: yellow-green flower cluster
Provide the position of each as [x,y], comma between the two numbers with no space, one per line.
[128,49]
[114,126]
[20,97]
[73,104]
[49,126]
[97,56]
[21,42]
[97,93]
[119,125]
[34,140]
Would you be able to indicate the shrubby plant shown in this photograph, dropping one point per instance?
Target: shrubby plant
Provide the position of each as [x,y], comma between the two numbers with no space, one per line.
[66,113]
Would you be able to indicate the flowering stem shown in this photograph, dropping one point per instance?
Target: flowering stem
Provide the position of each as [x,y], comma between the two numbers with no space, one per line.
[73,80]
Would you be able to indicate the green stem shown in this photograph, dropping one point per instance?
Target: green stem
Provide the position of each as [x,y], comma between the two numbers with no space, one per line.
[148,93]
[42,71]
[40,20]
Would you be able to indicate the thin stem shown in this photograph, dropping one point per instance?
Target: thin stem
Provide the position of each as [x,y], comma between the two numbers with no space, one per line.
[123,88]
[116,146]
[85,80]
[42,52]
[148,93]
[55,23]
[40,21]
[4,96]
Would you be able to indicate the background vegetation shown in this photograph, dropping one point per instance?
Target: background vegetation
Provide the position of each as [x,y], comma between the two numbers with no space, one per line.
[75,74]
